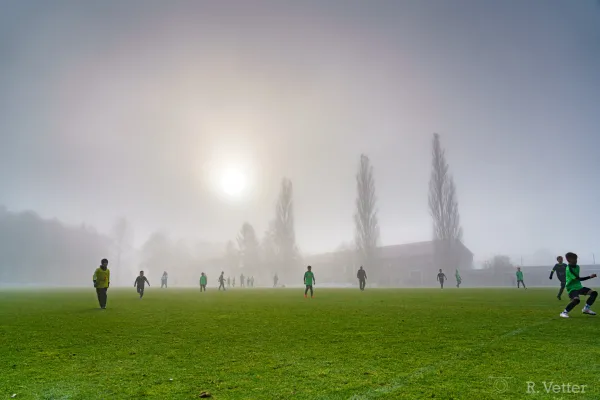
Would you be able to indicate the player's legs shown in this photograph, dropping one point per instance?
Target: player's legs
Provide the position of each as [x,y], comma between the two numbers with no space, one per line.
[523,283]
[103,297]
[306,290]
[561,290]
[99,295]
[311,291]
[141,292]
[574,296]
[592,294]
[442,283]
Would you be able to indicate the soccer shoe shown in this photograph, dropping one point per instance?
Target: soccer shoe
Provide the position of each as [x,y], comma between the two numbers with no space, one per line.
[564,315]
[588,311]
[305,296]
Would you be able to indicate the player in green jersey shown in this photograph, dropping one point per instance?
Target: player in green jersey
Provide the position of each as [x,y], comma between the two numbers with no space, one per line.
[203,280]
[520,278]
[458,279]
[576,289]
[309,279]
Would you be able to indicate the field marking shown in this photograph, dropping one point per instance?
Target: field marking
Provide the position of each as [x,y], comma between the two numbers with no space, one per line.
[428,369]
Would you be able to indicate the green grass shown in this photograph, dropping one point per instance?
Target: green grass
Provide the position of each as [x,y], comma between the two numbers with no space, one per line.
[274,344]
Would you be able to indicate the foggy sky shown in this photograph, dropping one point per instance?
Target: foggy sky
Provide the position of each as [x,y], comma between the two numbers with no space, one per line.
[113,108]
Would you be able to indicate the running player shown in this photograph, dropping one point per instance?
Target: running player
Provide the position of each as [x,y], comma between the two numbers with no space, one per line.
[561,274]
[222,281]
[441,277]
[576,289]
[140,281]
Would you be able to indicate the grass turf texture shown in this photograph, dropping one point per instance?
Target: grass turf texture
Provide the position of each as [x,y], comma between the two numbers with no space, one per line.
[275,344]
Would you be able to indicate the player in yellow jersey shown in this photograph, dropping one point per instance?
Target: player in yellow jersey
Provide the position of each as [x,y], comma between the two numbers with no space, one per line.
[102,282]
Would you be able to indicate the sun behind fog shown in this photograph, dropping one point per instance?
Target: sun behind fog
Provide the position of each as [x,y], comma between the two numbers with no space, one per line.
[233,182]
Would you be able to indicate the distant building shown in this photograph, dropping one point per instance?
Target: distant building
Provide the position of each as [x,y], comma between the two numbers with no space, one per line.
[411,264]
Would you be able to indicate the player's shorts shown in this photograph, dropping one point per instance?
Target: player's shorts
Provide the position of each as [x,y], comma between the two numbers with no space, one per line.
[584,291]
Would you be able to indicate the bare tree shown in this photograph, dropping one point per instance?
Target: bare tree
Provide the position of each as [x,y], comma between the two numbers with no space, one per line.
[249,248]
[284,234]
[365,219]
[443,206]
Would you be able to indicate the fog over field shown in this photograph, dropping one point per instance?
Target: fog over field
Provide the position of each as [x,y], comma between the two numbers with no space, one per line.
[255,137]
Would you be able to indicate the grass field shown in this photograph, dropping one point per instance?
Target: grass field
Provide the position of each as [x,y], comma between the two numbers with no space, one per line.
[274,344]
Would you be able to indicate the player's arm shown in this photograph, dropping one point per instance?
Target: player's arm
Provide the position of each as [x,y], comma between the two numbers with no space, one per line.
[578,278]
[135,282]
[552,272]
[314,280]
[107,278]
[146,279]
[95,277]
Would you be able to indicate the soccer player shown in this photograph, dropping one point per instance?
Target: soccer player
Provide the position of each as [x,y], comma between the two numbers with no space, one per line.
[203,280]
[458,278]
[233,283]
[441,277]
[561,274]
[242,280]
[102,282]
[140,281]
[252,281]
[520,278]
[228,282]
[309,279]
[163,280]
[362,278]
[222,281]
[575,288]
[275,280]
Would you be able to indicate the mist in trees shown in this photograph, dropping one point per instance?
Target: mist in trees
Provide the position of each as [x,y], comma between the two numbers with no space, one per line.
[36,251]
[249,250]
[122,250]
[284,234]
[366,224]
[443,207]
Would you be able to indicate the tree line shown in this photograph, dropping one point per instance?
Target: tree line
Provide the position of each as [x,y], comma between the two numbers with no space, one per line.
[37,250]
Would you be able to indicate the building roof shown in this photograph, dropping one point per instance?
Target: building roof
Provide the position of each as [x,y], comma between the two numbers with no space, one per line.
[409,250]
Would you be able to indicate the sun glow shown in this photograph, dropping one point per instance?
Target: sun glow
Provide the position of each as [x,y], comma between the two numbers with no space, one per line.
[233,181]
